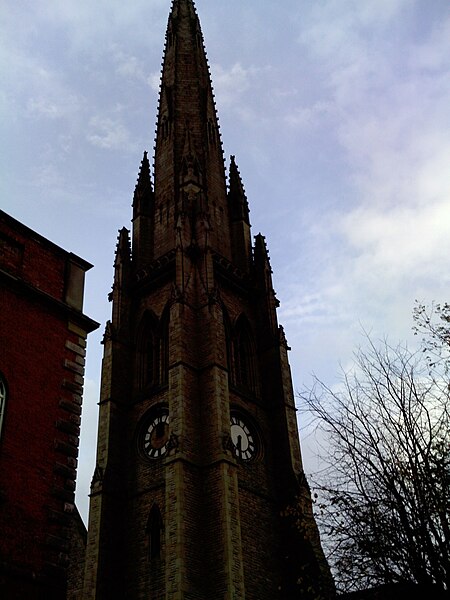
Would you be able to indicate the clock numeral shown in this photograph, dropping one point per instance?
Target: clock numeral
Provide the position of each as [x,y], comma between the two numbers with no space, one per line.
[155,434]
[242,438]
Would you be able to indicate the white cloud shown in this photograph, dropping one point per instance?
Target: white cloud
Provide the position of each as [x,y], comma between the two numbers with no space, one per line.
[109,133]
[154,81]
[397,253]
[55,105]
[47,177]
[230,84]
[91,25]
[390,113]
[311,307]
[433,53]
[130,67]
[36,89]
[335,27]
[307,116]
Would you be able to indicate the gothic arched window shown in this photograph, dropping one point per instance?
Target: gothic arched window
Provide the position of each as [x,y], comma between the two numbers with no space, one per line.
[153,351]
[229,341]
[154,531]
[244,354]
[163,342]
[149,352]
[211,131]
[151,358]
[2,403]
[164,127]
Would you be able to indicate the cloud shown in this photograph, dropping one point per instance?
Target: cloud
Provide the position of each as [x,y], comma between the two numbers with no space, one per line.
[391,119]
[311,308]
[36,89]
[130,67]
[109,133]
[232,83]
[56,104]
[93,25]
[334,28]
[154,80]
[47,177]
[307,116]
[433,53]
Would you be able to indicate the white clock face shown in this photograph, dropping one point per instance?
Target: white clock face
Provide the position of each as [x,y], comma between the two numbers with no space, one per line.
[243,440]
[155,440]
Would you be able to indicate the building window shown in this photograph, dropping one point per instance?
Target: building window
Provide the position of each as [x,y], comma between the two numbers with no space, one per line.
[244,357]
[163,345]
[154,531]
[164,127]
[153,351]
[212,132]
[2,403]
[147,351]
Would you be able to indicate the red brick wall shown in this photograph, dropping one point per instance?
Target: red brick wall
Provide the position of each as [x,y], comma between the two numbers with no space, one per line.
[42,362]
[37,263]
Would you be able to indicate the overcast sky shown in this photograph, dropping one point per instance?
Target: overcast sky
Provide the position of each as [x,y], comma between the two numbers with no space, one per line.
[338,112]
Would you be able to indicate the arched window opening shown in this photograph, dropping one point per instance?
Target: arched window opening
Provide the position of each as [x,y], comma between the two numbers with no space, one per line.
[243,359]
[152,351]
[148,353]
[2,403]
[151,359]
[228,339]
[164,127]
[211,131]
[155,528]
[164,349]
[245,372]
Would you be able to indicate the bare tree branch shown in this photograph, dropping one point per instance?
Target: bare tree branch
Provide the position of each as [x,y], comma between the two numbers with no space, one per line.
[383,497]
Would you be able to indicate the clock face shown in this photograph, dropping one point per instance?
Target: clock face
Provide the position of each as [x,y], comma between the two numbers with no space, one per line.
[242,438]
[155,439]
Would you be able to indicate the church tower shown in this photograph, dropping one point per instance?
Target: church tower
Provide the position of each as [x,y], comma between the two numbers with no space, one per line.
[198,491]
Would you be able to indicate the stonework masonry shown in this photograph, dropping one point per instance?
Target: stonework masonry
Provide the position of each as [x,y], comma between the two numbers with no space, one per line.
[198,491]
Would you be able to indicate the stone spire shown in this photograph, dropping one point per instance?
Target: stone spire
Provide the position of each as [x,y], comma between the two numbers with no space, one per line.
[263,272]
[121,278]
[237,199]
[187,127]
[197,427]
[143,192]
[143,216]
[241,243]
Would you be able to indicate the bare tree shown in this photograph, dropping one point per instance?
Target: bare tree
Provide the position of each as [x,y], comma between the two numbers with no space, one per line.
[384,495]
[433,324]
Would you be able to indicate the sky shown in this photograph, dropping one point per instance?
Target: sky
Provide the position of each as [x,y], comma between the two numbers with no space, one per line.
[338,112]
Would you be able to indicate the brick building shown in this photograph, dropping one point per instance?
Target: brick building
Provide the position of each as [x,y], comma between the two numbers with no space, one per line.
[198,491]
[42,346]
